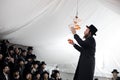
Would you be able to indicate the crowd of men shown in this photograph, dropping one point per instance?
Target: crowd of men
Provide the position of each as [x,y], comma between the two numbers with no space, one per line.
[21,64]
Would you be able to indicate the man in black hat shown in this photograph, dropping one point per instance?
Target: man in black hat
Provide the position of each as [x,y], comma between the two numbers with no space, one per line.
[86,63]
[42,67]
[30,51]
[115,75]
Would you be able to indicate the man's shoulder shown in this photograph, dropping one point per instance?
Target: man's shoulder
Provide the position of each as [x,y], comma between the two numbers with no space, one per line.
[118,78]
[91,38]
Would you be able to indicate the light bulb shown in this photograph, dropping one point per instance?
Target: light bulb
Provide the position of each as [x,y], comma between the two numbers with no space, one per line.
[77,27]
[75,23]
[76,20]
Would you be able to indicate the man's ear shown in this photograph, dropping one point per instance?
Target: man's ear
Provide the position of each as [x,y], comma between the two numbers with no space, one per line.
[90,33]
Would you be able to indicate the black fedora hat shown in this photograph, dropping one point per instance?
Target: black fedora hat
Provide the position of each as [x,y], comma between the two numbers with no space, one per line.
[43,63]
[115,71]
[30,48]
[93,29]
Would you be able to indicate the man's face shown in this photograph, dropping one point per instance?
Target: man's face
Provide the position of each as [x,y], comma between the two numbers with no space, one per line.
[6,69]
[11,52]
[24,53]
[46,76]
[17,50]
[38,76]
[35,66]
[30,51]
[57,75]
[114,74]
[28,76]
[86,33]
[21,63]
[30,59]
[43,66]
[16,73]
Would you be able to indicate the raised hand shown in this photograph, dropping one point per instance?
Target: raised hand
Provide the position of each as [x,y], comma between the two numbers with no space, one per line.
[73,30]
[70,41]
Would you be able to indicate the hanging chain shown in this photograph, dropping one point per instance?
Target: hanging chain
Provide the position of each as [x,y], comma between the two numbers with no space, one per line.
[77,8]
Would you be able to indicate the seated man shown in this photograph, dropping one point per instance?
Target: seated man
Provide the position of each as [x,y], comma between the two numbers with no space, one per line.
[115,75]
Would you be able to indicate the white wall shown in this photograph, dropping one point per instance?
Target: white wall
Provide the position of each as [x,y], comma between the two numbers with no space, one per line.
[69,76]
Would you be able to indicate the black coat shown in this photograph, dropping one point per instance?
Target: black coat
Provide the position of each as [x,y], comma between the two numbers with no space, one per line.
[118,78]
[2,77]
[86,63]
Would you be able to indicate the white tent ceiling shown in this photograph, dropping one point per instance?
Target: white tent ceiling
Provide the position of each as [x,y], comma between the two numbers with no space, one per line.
[43,24]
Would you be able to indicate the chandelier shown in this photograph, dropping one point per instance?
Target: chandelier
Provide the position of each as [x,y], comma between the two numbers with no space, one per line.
[76,20]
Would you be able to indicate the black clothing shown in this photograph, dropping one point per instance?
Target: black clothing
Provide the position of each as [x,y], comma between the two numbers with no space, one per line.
[118,78]
[86,63]
[2,77]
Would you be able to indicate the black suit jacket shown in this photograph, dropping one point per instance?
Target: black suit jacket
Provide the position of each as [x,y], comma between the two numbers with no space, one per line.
[2,77]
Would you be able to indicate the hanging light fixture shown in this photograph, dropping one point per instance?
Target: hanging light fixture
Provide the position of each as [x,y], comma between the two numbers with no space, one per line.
[76,20]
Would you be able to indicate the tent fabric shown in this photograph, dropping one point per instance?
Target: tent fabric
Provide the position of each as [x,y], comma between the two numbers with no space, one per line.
[112,4]
[43,24]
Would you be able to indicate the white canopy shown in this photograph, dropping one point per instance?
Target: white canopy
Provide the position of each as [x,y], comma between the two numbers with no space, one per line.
[43,24]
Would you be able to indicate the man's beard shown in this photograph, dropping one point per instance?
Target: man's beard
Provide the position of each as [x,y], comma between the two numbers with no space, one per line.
[86,36]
